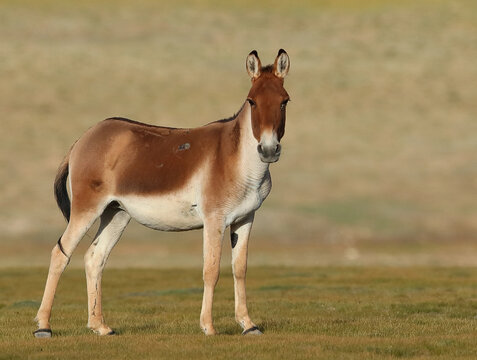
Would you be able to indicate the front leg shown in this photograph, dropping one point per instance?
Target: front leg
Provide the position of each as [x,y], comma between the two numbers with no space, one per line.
[213,236]
[240,234]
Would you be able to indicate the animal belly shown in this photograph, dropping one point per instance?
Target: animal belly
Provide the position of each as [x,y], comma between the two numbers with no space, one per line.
[167,213]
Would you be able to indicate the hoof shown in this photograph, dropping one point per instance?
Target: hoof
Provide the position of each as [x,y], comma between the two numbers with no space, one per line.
[252,331]
[42,333]
[102,330]
[208,331]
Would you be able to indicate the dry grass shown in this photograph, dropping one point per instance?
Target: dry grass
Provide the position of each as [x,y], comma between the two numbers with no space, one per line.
[305,313]
[381,134]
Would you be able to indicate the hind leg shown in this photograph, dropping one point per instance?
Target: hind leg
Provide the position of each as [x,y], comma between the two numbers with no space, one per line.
[113,222]
[60,257]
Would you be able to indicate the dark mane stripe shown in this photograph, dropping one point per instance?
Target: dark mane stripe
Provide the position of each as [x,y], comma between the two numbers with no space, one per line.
[139,123]
[119,118]
[233,117]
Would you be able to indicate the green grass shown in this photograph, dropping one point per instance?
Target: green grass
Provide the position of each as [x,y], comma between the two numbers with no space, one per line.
[305,313]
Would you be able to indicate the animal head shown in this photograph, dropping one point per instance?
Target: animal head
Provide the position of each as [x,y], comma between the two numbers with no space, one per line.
[268,100]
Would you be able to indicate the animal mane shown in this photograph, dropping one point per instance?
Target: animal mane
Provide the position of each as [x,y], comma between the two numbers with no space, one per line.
[233,117]
[139,123]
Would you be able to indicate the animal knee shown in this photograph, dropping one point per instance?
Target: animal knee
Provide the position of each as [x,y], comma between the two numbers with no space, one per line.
[240,273]
[211,275]
[58,260]
[239,267]
[91,262]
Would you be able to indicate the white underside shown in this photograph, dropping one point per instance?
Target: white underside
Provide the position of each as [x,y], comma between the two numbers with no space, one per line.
[183,210]
[166,212]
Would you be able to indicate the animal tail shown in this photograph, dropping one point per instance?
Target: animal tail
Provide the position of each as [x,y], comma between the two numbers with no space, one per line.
[61,192]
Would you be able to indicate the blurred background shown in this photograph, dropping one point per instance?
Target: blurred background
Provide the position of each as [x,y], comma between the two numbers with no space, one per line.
[379,163]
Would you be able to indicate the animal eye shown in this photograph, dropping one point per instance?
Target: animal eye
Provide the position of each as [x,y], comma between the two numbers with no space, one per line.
[283,105]
[251,102]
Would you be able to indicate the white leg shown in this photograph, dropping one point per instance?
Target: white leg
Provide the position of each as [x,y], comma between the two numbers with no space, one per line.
[113,223]
[240,234]
[213,236]
[60,257]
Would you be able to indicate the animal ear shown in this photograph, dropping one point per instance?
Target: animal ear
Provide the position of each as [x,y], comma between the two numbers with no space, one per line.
[282,64]
[253,64]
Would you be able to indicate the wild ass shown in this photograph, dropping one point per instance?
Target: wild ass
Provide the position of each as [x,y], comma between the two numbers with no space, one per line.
[170,179]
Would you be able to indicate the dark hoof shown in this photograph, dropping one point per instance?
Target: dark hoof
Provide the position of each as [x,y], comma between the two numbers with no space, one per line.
[252,331]
[42,333]
[112,332]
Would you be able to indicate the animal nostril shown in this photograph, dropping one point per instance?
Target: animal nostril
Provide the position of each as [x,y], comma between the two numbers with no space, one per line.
[259,149]
[278,149]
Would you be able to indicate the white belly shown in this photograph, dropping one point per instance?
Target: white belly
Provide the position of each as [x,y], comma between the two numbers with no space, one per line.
[164,212]
[182,210]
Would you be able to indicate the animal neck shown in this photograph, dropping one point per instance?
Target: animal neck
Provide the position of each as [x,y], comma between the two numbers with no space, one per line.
[247,149]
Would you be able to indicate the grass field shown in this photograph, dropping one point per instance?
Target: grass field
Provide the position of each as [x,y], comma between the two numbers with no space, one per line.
[305,313]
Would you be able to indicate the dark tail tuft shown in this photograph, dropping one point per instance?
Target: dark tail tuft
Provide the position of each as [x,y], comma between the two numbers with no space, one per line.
[61,193]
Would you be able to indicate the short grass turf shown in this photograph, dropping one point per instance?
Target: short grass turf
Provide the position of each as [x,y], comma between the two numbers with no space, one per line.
[305,313]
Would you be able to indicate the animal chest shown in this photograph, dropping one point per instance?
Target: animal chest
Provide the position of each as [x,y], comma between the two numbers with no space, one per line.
[250,198]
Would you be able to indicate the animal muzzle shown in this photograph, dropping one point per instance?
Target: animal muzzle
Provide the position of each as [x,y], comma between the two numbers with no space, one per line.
[269,153]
